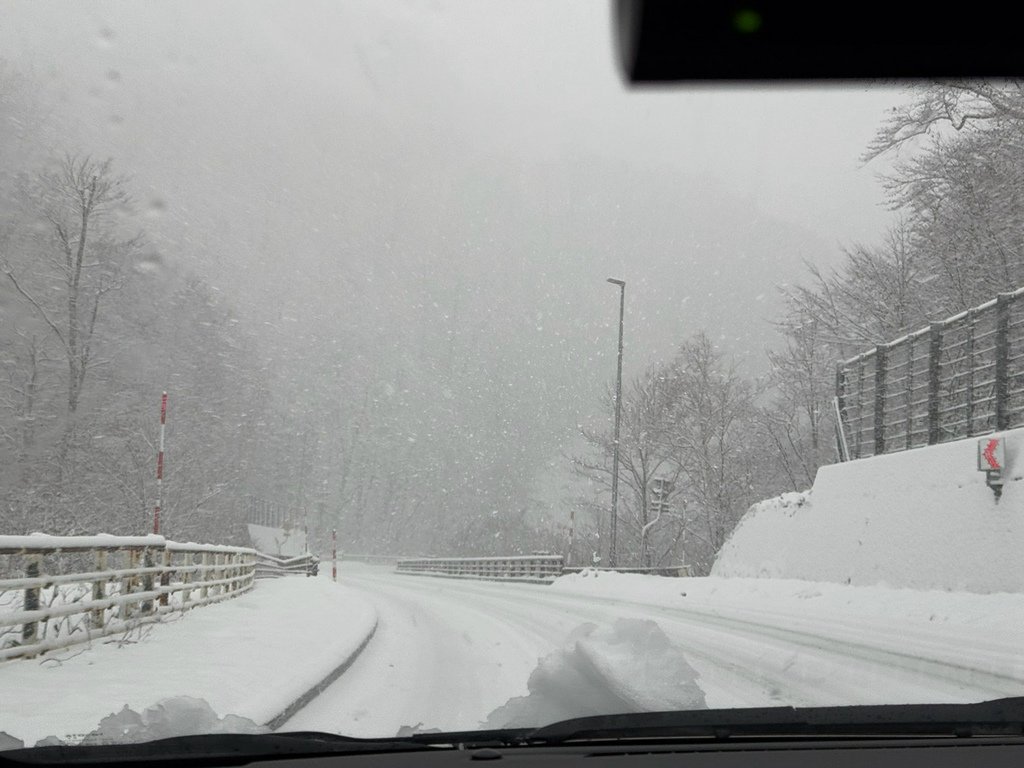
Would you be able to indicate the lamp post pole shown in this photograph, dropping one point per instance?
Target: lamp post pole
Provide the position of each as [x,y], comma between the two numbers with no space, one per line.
[618,419]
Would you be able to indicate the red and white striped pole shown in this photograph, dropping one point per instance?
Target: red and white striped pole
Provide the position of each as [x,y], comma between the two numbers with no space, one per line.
[160,465]
[334,555]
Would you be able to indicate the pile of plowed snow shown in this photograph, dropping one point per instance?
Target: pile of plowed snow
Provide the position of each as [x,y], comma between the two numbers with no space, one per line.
[630,666]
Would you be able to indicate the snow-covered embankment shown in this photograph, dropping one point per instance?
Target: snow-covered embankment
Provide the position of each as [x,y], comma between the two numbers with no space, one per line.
[922,519]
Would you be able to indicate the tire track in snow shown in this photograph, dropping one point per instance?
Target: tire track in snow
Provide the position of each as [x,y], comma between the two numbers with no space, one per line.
[502,630]
[882,675]
[434,660]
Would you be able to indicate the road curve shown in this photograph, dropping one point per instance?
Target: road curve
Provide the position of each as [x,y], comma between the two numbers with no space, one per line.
[448,652]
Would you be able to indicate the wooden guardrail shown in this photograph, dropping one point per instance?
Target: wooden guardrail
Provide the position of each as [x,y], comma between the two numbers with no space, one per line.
[59,591]
[538,569]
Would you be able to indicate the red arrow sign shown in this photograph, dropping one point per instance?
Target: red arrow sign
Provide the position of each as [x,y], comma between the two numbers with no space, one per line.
[989,454]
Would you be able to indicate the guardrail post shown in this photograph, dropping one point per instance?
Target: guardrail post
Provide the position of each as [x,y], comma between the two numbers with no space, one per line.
[204,591]
[1002,360]
[165,576]
[879,427]
[131,561]
[187,561]
[99,590]
[33,569]
[148,605]
[934,354]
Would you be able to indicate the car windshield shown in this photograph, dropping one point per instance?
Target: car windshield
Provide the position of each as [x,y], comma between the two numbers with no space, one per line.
[386,368]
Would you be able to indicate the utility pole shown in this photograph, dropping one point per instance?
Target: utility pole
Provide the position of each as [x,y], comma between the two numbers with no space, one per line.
[612,562]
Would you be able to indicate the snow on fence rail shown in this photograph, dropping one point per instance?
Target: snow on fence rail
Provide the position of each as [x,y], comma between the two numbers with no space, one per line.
[957,378]
[675,571]
[530,568]
[59,591]
[370,559]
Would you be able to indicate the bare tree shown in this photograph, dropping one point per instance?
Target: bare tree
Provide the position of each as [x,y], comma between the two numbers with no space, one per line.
[690,423]
[797,423]
[83,256]
[948,105]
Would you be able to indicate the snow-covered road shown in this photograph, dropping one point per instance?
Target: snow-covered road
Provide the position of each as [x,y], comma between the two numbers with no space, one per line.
[448,652]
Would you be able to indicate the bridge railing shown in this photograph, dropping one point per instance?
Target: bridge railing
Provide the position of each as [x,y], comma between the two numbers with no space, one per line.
[957,378]
[539,569]
[675,571]
[60,591]
[348,557]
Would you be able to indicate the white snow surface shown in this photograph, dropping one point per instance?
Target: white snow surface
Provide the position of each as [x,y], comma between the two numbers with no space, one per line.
[922,519]
[461,654]
[631,666]
[248,657]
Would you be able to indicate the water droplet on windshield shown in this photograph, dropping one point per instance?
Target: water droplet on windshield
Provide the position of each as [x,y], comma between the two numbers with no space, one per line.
[105,37]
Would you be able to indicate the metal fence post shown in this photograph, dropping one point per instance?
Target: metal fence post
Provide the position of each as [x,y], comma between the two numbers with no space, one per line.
[934,353]
[969,387]
[909,421]
[1002,360]
[879,427]
[860,403]
[840,407]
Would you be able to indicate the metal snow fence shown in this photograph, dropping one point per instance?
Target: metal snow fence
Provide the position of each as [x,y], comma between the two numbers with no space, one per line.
[537,569]
[957,378]
[60,591]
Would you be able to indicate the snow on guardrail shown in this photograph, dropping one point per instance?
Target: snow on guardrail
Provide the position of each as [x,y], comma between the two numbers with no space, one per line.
[526,568]
[59,591]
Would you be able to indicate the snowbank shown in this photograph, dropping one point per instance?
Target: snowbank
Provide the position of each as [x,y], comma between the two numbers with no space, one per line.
[631,666]
[878,610]
[787,627]
[178,716]
[922,519]
[251,657]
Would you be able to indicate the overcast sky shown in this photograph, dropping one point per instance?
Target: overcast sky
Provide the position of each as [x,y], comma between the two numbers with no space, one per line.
[379,169]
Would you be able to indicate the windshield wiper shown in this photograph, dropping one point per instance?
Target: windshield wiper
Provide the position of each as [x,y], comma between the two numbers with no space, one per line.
[215,749]
[999,717]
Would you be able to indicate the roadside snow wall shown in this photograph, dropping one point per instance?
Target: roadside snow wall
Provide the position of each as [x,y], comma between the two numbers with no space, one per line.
[922,519]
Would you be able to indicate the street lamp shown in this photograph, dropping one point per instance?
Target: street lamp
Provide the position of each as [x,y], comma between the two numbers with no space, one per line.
[618,419]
